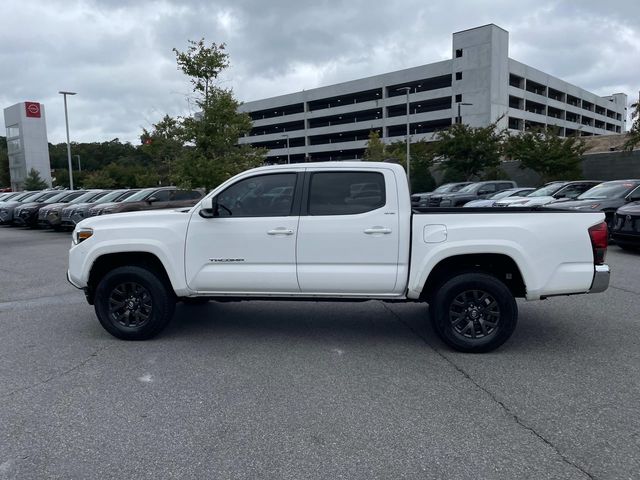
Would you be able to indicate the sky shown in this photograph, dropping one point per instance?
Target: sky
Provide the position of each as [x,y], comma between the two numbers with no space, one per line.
[117,54]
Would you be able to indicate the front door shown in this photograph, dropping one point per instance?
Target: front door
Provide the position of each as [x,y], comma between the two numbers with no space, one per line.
[249,246]
[348,238]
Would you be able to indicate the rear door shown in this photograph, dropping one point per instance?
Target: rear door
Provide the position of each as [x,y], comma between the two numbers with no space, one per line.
[348,233]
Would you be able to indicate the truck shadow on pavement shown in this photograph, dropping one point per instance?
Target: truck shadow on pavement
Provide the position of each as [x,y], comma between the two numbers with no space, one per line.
[358,322]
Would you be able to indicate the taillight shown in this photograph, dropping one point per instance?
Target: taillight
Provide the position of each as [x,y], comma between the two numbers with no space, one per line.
[599,235]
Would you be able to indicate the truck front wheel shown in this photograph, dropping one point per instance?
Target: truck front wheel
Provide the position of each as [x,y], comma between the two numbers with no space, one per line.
[474,312]
[132,303]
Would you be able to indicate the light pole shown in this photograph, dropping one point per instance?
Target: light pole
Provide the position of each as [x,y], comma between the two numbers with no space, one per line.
[288,156]
[407,90]
[459,117]
[66,121]
[79,164]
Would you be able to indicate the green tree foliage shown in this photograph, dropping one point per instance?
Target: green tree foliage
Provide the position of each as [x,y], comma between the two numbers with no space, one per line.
[376,149]
[33,181]
[202,64]
[553,157]
[634,132]
[164,145]
[421,154]
[5,179]
[214,153]
[467,152]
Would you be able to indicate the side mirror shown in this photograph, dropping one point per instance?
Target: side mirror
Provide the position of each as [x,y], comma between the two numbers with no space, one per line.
[207,207]
[152,199]
[635,197]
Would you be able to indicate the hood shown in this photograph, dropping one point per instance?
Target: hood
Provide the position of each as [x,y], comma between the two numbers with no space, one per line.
[510,200]
[531,201]
[78,205]
[594,204]
[103,205]
[9,204]
[29,205]
[480,203]
[53,206]
[135,220]
[632,208]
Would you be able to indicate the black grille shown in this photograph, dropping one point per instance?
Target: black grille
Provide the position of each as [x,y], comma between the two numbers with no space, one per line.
[627,223]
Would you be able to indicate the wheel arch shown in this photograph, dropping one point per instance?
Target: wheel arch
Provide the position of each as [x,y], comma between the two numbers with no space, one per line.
[109,261]
[498,265]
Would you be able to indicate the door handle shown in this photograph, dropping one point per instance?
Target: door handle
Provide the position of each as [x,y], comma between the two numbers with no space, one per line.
[377,230]
[280,231]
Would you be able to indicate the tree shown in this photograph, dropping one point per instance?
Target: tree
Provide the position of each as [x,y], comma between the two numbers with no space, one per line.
[634,132]
[213,153]
[421,154]
[203,64]
[468,151]
[34,182]
[544,151]
[376,150]
[164,145]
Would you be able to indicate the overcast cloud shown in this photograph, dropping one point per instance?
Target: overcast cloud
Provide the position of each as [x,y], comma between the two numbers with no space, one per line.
[118,54]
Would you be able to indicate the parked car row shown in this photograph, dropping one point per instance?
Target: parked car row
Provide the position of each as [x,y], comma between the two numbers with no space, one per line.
[618,199]
[59,209]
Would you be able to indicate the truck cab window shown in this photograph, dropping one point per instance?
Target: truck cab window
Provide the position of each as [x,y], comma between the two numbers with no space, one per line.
[346,193]
[260,196]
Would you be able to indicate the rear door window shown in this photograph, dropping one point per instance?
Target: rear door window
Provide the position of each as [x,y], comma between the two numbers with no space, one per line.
[345,193]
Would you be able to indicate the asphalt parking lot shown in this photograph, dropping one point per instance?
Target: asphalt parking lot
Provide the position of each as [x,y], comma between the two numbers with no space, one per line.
[256,390]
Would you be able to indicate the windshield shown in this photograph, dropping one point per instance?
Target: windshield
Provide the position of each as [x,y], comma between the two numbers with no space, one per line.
[45,196]
[608,190]
[28,196]
[110,196]
[140,195]
[469,188]
[443,188]
[547,190]
[63,197]
[125,195]
[503,194]
[86,197]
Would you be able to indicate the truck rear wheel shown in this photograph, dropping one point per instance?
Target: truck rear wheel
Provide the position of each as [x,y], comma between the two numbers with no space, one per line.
[474,312]
[132,303]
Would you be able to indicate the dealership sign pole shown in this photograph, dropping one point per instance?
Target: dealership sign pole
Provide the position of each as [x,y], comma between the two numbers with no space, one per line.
[66,121]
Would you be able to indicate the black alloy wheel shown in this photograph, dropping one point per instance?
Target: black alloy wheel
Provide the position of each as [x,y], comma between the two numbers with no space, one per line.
[474,312]
[134,303]
[130,305]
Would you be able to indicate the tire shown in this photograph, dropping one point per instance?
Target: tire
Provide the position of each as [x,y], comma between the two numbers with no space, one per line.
[474,312]
[629,247]
[133,303]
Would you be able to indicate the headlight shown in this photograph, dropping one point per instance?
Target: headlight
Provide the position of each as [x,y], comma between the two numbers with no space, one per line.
[80,235]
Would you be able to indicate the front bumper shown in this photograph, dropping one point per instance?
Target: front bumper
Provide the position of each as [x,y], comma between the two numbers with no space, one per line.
[600,279]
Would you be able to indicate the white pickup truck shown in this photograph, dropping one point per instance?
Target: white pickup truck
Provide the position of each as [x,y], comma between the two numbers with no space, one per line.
[336,230]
